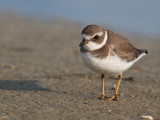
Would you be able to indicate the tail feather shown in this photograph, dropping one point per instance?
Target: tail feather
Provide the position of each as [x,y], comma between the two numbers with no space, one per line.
[140,51]
[146,51]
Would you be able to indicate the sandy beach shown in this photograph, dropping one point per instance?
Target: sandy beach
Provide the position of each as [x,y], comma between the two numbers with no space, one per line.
[42,76]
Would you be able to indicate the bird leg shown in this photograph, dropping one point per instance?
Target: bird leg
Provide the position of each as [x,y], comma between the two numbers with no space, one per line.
[102,97]
[114,97]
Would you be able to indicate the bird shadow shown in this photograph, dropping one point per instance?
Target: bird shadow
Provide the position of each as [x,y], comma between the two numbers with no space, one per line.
[25,85]
[130,79]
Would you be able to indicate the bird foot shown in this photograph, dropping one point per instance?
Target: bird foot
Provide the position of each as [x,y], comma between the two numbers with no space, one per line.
[114,98]
[102,97]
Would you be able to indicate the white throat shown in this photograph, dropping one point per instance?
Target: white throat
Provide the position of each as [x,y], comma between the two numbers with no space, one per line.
[93,46]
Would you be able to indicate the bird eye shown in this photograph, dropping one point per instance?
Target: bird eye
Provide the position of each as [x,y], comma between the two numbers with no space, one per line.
[96,37]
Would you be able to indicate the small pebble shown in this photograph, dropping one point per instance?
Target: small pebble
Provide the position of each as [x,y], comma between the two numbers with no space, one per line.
[114,87]
[147,117]
[109,111]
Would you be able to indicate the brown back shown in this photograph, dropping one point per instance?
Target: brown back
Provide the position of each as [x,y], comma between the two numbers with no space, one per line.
[122,47]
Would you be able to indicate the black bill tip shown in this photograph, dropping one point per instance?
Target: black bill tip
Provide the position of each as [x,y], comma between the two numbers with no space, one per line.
[82,43]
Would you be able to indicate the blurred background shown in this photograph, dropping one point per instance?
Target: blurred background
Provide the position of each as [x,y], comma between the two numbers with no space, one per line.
[136,17]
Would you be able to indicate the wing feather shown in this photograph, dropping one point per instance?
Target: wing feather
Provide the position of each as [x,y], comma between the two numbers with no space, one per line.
[122,47]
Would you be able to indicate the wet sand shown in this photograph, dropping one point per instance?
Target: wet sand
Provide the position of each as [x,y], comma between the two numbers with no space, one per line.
[43,77]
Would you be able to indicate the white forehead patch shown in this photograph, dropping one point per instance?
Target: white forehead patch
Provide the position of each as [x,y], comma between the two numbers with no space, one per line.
[88,37]
[94,46]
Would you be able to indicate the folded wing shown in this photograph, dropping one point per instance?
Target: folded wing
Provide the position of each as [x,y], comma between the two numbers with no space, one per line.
[122,47]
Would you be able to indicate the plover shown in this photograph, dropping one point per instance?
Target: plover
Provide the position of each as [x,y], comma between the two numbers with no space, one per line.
[105,51]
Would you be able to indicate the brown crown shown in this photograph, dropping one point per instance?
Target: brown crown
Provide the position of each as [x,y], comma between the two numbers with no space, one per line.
[92,29]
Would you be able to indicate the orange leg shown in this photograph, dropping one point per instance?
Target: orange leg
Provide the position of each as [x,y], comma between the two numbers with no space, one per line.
[102,76]
[114,97]
[103,93]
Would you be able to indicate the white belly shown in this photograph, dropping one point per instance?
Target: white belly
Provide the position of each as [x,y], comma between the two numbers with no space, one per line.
[111,64]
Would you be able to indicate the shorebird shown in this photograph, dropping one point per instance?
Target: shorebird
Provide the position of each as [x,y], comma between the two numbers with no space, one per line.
[105,51]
